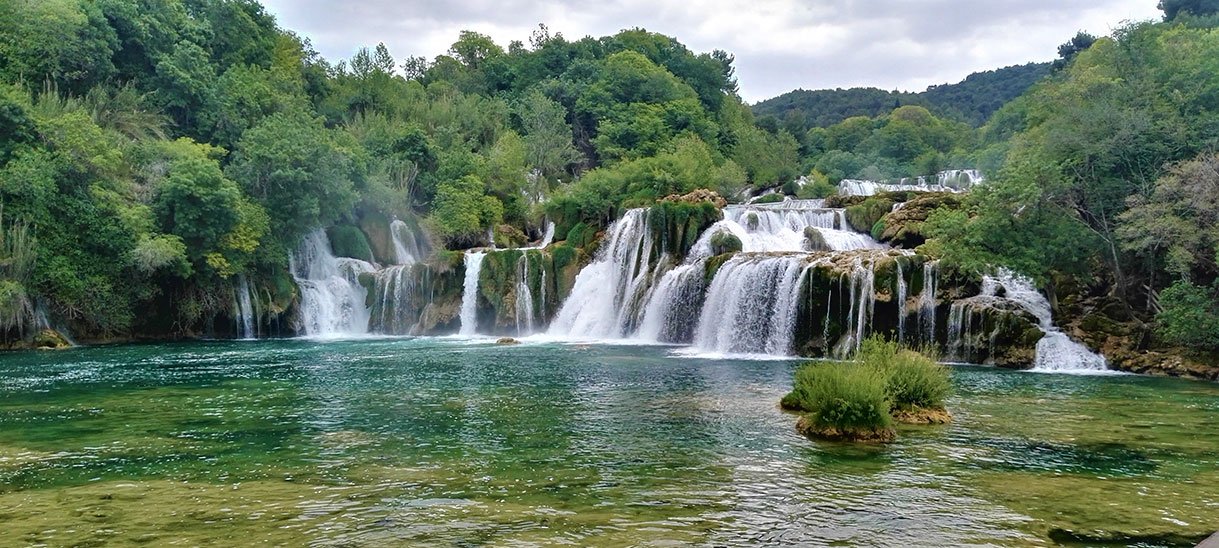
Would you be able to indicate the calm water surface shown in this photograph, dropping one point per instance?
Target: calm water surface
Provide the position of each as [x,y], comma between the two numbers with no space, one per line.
[444,442]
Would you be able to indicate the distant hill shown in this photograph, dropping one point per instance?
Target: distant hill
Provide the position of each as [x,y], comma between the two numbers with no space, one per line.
[972,100]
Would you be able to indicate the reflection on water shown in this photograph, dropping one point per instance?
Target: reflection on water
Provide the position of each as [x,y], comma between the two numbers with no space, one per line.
[452,442]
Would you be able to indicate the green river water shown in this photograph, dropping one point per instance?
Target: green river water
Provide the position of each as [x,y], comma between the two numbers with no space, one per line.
[445,442]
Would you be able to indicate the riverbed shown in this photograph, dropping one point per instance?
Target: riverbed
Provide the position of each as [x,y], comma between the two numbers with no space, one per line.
[461,442]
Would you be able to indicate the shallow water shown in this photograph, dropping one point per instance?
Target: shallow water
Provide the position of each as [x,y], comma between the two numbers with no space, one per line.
[455,443]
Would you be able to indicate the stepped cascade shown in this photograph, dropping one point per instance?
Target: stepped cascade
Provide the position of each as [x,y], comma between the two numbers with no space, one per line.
[955,180]
[332,301]
[779,279]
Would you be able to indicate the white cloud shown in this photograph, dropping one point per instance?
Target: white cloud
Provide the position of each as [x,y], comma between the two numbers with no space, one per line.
[779,45]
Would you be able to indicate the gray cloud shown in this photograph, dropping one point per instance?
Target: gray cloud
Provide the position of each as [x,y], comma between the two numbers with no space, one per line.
[779,45]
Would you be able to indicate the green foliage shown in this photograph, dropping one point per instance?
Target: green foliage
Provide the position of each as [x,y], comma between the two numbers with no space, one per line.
[1175,8]
[1189,316]
[18,253]
[462,214]
[882,378]
[843,396]
[581,235]
[725,242]
[349,241]
[298,170]
[973,99]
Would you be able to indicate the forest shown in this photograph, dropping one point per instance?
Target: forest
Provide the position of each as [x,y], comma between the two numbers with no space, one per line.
[152,151]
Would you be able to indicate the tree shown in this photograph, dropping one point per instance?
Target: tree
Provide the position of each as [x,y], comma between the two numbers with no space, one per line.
[462,212]
[195,201]
[547,135]
[1201,8]
[1067,51]
[295,168]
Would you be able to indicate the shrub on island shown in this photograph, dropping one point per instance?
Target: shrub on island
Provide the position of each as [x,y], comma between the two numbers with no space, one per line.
[859,399]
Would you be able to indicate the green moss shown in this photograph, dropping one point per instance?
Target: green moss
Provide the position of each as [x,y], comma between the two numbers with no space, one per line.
[864,215]
[725,242]
[349,241]
[581,235]
[375,226]
[713,266]
[771,198]
[878,230]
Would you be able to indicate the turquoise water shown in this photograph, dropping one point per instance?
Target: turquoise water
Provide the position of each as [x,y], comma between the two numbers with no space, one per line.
[457,443]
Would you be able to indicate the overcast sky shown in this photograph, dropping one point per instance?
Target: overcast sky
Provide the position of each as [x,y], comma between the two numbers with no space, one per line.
[780,45]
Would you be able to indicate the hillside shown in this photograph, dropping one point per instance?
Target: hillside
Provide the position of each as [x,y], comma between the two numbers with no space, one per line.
[972,100]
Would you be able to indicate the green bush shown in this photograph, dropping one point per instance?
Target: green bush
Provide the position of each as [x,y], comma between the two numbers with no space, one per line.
[844,397]
[349,241]
[860,398]
[725,242]
[917,382]
[1190,316]
[581,235]
[771,198]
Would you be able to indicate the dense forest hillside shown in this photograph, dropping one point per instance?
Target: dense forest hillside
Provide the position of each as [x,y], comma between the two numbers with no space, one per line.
[156,155]
[972,100]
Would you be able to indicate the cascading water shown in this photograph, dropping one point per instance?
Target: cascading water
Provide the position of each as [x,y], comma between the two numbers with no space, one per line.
[332,299]
[901,303]
[677,299]
[1055,351]
[524,298]
[406,247]
[245,316]
[604,301]
[392,287]
[954,180]
[751,305]
[469,293]
[863,307]
[927,302]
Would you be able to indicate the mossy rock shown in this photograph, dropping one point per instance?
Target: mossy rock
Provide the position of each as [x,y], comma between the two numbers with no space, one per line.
[375,226]
[509,237]
[725,242]
[864,215]
[904,227]
[49,339]
[713,266]
[349,241]
[814,240]
[581,235]
[920,416]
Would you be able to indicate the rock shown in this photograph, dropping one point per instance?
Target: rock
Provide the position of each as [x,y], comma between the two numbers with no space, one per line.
[50,339]
[814,240]
[919,415]
[725,242]
[806,427]
[507,341]
[904,227]
[508,236]
[698,196]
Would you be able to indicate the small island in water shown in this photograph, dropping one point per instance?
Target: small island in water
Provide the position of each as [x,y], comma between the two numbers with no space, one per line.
[550,291]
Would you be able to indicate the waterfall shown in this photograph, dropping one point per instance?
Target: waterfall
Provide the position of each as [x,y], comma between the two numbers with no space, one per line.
[1055,351]
[469,293]
[392,291]
[547,236]
[863,305]
[784,227]
[331,299]
[927,302]
[901,303]
[953,180]
[246,326]
[960,321]
[524,298]
[751,305]
[406,247]
[672,312]
[605,299]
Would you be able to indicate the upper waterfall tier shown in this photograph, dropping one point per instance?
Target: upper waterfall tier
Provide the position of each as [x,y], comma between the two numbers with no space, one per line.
[790,226]
[954,180]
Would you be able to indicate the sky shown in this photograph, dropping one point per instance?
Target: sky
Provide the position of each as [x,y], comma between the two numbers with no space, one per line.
[780,45]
